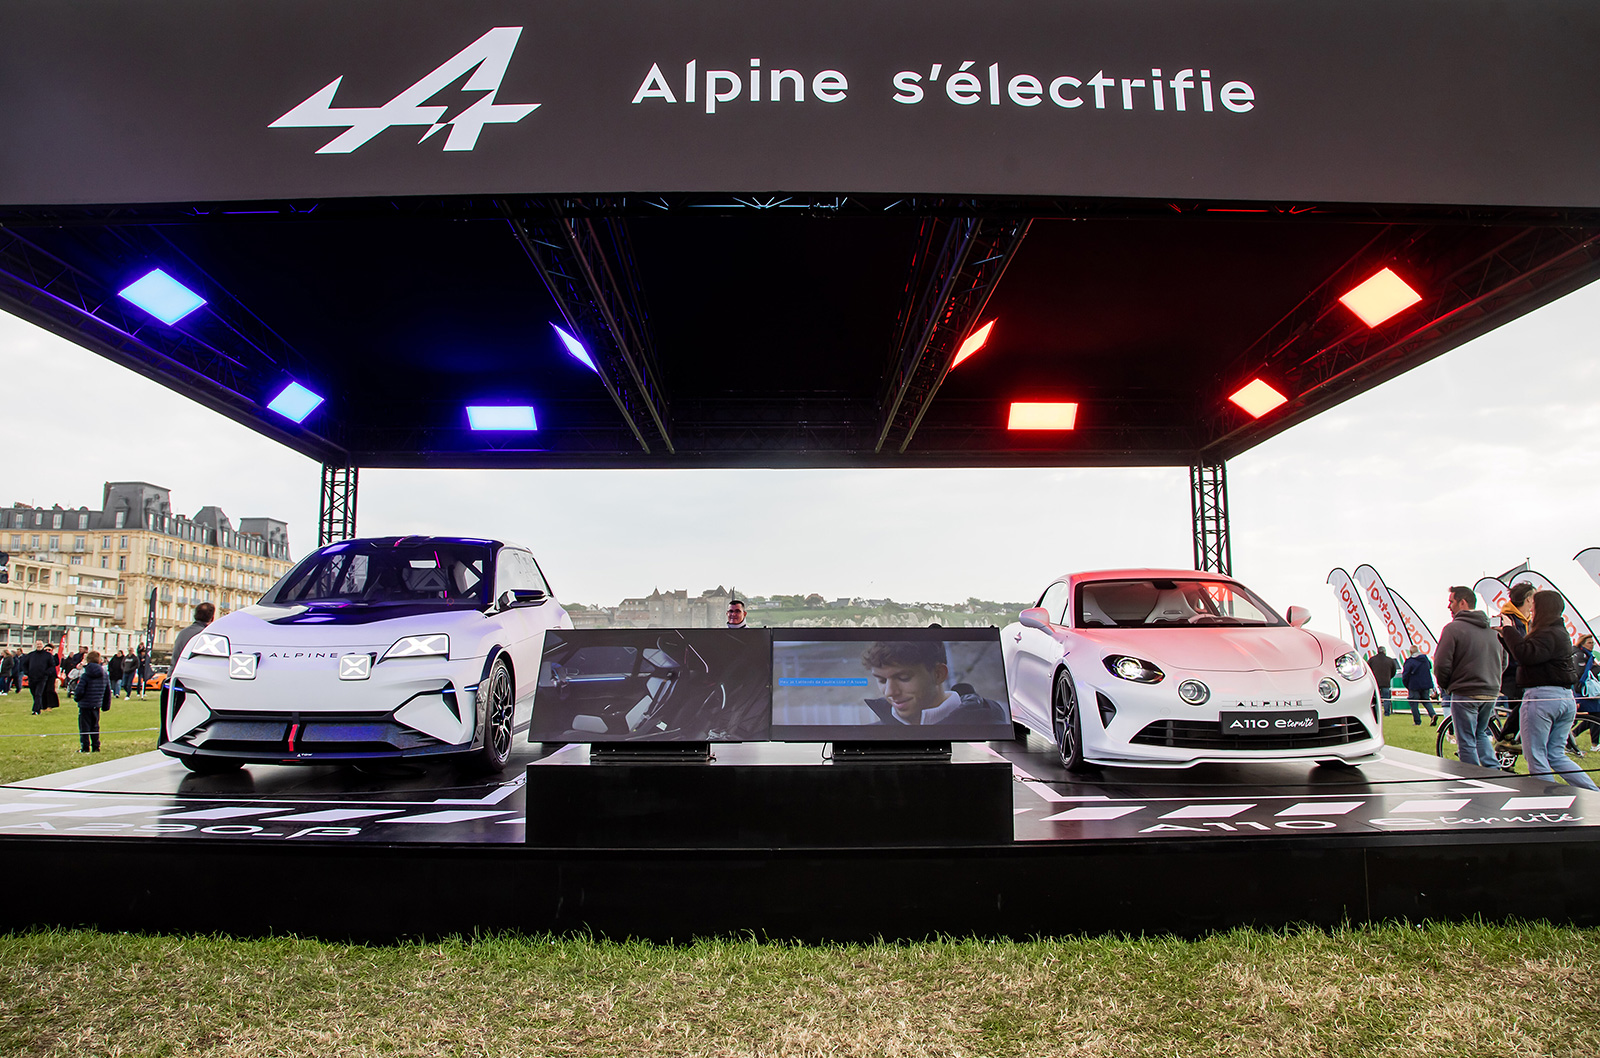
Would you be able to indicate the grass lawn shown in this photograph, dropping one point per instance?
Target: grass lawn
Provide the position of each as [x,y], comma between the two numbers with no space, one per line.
[1439,990]
[39,745]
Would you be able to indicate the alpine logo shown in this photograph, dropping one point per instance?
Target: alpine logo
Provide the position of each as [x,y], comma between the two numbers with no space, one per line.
[485,58]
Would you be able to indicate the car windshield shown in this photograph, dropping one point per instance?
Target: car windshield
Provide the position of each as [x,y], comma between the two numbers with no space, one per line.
[448,573]
[1163,603]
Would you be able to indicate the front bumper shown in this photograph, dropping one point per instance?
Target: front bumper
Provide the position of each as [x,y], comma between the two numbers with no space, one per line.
[422,707]
[1145,726]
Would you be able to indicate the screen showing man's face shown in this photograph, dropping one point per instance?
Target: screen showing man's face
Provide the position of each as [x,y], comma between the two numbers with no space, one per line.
[912,688]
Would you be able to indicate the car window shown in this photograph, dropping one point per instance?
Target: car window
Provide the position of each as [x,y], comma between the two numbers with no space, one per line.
[364,572]
[536,579]
[515,568]
[505,572]
[1054,599]
[1169,603]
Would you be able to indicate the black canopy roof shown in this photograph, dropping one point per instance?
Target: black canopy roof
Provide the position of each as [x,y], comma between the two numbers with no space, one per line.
[811,327]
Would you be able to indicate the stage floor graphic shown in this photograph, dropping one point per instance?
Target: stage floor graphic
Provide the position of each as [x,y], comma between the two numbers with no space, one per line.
[154,796]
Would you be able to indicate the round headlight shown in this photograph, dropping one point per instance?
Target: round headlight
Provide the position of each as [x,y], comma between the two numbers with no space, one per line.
[1328,689]
[1194,692]
[1350,666]
[1135,669]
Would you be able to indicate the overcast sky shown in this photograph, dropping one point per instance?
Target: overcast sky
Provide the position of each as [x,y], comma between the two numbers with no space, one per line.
[1461,468]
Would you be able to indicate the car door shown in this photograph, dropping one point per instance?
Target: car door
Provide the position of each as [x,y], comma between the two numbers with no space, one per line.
[522,626]
[1036,654]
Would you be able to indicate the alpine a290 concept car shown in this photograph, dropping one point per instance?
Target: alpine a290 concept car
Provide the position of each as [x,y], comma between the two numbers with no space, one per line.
[374,648]
[1172,668]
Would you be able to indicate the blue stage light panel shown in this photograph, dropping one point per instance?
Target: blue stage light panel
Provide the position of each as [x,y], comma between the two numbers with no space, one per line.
[506,417]
[294,402]
[576,348]
[162,297]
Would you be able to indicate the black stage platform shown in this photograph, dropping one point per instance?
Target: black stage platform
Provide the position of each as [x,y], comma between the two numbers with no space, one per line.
[139,843]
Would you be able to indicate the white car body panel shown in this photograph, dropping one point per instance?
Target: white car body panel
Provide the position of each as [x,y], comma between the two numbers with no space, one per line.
[1275,667]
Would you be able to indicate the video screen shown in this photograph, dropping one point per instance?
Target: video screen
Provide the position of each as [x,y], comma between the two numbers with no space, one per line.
[652,684]
[889,685]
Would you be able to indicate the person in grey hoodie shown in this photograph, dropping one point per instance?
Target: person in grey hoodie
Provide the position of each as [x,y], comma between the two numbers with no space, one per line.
[1468,663]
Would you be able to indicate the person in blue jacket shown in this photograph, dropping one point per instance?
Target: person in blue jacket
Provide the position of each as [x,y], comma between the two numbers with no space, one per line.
[1417,674]
[93,693]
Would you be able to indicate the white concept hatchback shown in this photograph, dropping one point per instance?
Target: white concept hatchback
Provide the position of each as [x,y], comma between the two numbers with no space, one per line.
[389,647]
[1172,668]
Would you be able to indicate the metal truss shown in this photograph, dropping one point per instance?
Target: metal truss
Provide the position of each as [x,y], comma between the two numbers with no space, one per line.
[336,516]
[234,376]
[589,268]
[959,261]
[1322,354]
[1208,505]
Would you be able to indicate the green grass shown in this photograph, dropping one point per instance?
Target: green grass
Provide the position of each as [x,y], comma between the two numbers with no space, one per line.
[39,745]
[1435,991]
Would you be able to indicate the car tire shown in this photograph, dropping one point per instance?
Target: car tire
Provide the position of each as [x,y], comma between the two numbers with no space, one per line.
[1068,724]
[499,717]
[211,765]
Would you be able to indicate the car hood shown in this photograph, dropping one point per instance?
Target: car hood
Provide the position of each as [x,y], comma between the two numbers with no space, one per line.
[347,627]
[1215,649]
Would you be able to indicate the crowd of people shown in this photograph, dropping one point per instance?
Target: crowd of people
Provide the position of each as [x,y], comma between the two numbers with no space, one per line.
[90,679]
[1523,662]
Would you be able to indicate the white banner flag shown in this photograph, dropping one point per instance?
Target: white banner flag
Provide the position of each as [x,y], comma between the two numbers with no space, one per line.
[1576,625]
[1493,593]
[1416,628]
[1355,615]
[1388,621]
[1589,559]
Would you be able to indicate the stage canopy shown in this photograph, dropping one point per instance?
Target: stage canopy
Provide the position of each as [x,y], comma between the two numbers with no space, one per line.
[610,233]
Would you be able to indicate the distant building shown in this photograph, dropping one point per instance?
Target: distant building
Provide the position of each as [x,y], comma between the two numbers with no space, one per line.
[88,573]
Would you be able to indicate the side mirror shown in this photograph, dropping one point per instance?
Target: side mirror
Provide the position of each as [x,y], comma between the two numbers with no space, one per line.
[1036,617]
[512,598]
[1298,616]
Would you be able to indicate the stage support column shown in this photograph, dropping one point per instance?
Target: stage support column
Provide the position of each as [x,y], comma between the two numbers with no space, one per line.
[1208,498]
[336,519]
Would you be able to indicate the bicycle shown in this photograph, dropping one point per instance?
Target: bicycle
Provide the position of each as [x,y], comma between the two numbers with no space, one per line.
[1445,746]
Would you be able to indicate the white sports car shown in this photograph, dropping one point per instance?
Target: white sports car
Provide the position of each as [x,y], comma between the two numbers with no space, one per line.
[389,647]
[1171,668]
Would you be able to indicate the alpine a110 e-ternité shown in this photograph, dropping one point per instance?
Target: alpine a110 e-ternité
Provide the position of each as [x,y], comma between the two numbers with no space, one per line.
[373,648]
[1172,668]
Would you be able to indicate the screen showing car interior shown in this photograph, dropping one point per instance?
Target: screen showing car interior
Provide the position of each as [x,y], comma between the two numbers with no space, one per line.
[889,685]
[652,685]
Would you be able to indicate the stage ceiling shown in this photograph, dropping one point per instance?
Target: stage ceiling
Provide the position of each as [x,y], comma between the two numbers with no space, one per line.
[1140,260]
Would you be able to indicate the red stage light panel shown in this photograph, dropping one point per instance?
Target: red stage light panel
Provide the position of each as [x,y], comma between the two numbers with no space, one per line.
[1033,415]
[1258,398]
[973,343]
[1380,298]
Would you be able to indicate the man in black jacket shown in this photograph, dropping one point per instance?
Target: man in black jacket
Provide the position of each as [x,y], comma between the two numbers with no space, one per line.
[114,671]
[1383,670]
[1468,662]
[41,669]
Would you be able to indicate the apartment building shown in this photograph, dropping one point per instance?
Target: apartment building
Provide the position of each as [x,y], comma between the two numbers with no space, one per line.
[89,574]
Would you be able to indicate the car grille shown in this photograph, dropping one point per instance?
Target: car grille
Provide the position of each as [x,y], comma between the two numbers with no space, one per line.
[1207,734]
[324,733]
